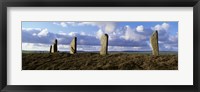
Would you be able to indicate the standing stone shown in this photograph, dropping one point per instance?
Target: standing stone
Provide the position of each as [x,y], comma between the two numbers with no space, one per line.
[154,43]
[73,46]
[54,47]
[104,44]
[50,49]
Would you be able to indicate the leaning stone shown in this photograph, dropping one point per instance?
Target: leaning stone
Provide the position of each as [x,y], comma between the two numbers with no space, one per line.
[104,44]
[154,43]
[73,46]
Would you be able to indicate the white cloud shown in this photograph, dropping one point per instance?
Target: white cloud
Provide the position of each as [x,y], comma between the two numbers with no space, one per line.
[157,27]
[109,27]
[112,36]
[72,33]
[31,29]
[34,34]
[62,33]
[56,23]
[82,33]
[46,47]
[99,34]
[123,48]
[173,38]
[160,42]
[140,28]
[43,33]
[63,24]
[88,48]
[164,26]
[105,27]
[63,47]
[42,47]
[88,23]
[82,41]
[131,35]
[35,46]
[167,46]
[110,48]
[59,40]
[99,24]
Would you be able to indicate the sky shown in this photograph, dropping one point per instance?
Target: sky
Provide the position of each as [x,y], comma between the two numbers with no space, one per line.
[123,36]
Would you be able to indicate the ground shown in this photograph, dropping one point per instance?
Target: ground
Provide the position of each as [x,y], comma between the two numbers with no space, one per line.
[94,61]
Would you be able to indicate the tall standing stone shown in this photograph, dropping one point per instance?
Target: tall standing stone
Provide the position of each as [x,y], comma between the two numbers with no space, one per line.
[54,47]
[104,44]
[154,43]
[73,46]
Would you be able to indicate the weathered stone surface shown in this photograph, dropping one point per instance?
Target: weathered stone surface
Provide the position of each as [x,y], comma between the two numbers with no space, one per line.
[54,47]
[154,43]
[104,44]
[73,46]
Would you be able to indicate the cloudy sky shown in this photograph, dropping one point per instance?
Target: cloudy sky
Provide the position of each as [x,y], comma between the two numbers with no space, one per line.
[123,36]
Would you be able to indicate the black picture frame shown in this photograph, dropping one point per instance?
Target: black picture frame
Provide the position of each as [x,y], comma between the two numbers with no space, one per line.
[99,3]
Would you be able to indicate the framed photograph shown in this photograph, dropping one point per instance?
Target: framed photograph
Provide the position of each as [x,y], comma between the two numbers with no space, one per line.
[122,45]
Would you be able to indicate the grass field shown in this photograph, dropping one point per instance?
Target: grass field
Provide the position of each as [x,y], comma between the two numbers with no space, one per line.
[94,61]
